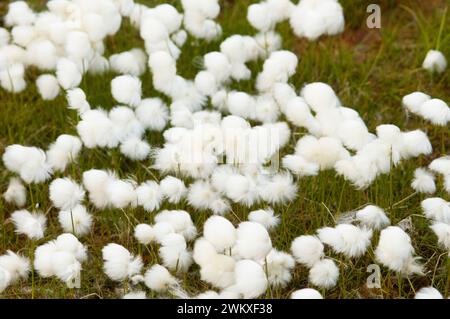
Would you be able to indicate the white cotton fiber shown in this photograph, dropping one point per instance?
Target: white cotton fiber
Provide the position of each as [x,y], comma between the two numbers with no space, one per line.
[65,193]
[220,232]
[68,73]
[395,251]
[347,239]
[152,113]
[428,293]
[75,220]
[435,61]
[127,89]
[250,278]
[373,217]
[48,86]
[32,225]
[15,193]
[307,250]
[253,241]
[306,293]
[423,181]
[437,209]
[324,274]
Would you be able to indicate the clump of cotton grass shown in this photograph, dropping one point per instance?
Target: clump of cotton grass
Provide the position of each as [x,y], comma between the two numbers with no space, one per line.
[436,209]
[15,193]
[68,73]
[442,231]
[247,235]
[347,239]
[279,266]
[62,258]
[373,217]
[311,19]
[179,221]
[159,279]
[306,293]
[131,62]
[395,251]
[265,217]
[12,79]
[127,89]
[307,250]
[428,293]
[220,233]
[250,279]
[63,151]
[29,162]
[76,99]
[433,110]
[65,193]
[324,274]
[215,268]
[435,61]
[199,18]
[202,195]
[442,166]
[48,86]
[144,234]
[174,253]
[33,225]
[13,267]
[173,189]
[76,220]
[377,156]
[106,190]
[149,195]
[153,114]
[119,264]
[135,148]
[423,181]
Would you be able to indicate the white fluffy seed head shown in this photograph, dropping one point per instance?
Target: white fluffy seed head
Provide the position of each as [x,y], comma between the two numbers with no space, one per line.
[265,217]
[15,193]
[75,220]
[428,293]
[159,279]
[306,293]
[307,250]
[220,232]
[32,225]
[373,217]
[324,274]
[48,86]
[413,101]
[173,189]
[395,251]
[437,209]
[250,279]
[65,193]
[144,233]
[253,241]
[423,181]
[435,61]
[347,239]
[118,263]
[127,89]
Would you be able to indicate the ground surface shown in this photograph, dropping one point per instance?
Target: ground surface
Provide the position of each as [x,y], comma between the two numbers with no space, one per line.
[371,70]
